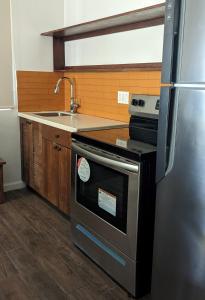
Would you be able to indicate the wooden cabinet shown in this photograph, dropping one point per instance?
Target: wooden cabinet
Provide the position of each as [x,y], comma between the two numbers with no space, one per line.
[46,158]
[37,167]
[57,158]
[51,171]
[57,174]
[31,154]
[26,149]
[64,179]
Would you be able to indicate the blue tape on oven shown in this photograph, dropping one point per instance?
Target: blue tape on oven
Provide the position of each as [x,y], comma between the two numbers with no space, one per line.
[101,245]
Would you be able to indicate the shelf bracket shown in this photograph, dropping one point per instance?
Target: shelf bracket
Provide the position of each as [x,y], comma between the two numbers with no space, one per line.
[58,54]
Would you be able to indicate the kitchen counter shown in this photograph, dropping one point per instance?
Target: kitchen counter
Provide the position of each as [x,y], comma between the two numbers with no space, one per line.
[74,123]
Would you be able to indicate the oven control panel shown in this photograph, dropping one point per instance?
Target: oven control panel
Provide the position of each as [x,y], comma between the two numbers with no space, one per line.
[144,105]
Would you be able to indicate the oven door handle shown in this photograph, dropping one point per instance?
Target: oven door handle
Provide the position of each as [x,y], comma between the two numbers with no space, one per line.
[101,159]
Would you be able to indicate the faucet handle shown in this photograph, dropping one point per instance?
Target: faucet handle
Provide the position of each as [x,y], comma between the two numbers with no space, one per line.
[74,106]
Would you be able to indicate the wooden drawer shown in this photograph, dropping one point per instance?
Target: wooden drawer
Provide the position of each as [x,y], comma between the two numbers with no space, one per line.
[57,136]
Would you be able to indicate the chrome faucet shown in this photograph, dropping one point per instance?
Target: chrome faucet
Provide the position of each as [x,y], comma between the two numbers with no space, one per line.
[73,105]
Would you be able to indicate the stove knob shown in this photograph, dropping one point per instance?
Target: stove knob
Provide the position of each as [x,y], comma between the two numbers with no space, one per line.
[141,102]
[135,102]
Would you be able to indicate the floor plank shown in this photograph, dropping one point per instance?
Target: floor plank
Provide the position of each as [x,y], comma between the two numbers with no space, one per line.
[38,259]
[13,288]
[7,268]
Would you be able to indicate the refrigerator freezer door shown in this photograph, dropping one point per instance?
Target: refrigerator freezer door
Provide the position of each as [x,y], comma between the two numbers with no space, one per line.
[179,248]
[191,52]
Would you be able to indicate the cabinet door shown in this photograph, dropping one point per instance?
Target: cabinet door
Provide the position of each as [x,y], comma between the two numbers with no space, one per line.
[57,176]
[45,164]
[37,180]
[31,153]
[26,149]
[64,179]
[51,171]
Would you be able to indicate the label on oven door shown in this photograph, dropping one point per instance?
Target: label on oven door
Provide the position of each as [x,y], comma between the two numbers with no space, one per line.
[107,201]
[83,169]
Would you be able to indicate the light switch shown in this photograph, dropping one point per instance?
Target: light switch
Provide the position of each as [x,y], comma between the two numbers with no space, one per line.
[123,97]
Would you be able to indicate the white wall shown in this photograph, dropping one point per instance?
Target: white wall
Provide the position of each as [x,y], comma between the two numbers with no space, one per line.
[5,55]
[138,46]
[10,150]
[86,10]
[30,52]
[9,133]
[30,19]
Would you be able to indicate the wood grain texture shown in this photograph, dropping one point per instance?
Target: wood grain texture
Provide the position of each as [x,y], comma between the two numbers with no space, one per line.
[157,66]
[132,20]
[35,91]
[57,167]
[143,17]
[38,259]
[96,92]
[58,54]
[26,132]
[51,169]
[46,162]
[56,135]
[115,29]
[31,154]
[64,179]
[37,161]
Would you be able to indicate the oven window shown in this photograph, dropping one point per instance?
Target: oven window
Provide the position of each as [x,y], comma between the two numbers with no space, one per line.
[103,191]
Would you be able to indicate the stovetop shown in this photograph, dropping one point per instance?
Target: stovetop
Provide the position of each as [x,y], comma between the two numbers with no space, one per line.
[117,141]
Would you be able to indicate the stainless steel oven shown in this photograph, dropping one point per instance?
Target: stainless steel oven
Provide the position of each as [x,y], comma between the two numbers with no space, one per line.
[109,197]
[105,192]
[112,204]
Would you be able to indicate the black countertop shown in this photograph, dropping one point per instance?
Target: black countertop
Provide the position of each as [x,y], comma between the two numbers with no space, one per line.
[117,141]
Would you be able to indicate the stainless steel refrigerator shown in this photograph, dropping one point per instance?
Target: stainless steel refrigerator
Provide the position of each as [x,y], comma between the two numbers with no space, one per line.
[179,246]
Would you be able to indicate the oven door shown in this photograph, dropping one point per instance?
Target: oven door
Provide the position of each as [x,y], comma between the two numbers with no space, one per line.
[105,193]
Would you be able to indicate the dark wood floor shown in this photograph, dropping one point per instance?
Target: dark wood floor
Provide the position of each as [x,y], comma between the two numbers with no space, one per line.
[38,259]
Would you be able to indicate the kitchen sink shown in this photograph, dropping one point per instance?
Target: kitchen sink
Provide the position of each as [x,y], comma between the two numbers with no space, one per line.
[54,114]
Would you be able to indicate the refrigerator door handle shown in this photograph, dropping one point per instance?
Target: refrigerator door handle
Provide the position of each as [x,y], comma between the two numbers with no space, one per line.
[171,33]
[172,129]
[163,132]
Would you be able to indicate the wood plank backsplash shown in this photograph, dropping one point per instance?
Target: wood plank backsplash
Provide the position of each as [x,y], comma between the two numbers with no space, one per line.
[96,92]
[35,91]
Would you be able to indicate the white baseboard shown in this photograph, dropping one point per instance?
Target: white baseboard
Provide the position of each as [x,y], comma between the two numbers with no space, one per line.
[17,185]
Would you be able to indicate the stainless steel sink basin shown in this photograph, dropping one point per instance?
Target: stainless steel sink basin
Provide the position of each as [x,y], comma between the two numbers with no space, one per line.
[54,114]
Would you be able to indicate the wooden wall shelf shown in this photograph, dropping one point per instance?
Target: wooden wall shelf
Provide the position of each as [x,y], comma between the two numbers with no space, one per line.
[156,66]
[141,18]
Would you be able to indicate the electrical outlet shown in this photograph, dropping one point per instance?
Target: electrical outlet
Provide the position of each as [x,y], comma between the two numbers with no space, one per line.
[121,143]
[123,97]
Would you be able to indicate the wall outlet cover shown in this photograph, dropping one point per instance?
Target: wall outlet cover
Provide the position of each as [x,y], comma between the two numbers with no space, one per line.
[123,97]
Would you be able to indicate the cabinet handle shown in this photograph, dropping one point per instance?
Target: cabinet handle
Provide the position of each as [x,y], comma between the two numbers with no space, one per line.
[57,136]
[56,147]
